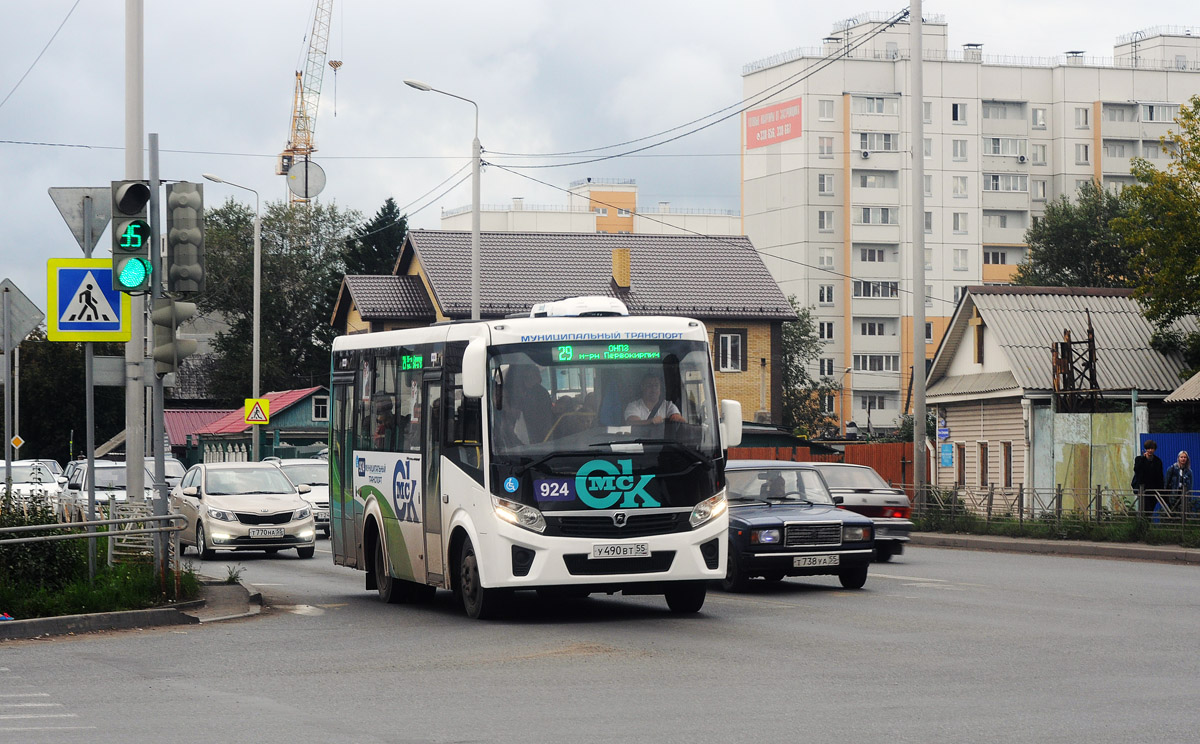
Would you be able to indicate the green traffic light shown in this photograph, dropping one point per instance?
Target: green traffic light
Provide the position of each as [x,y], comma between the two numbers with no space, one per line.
[134,273]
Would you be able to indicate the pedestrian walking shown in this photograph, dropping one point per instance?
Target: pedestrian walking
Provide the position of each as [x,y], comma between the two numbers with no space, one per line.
[1148,475]
[1179,481]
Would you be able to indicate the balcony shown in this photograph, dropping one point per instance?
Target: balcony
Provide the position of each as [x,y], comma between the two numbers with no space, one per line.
[1004,127]
[1117,166]
[878,159]
[875,233]
[1004,163]
[1008,200]
[998,273]
[1003,235]
[861,197]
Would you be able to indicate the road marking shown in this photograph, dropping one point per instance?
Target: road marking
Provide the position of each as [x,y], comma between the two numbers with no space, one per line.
[48,728]
[906,578]
[30,705]
[14,716]
[23,694]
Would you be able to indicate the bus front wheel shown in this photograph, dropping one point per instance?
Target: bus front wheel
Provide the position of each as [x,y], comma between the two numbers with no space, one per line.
[686,597]
[478,602]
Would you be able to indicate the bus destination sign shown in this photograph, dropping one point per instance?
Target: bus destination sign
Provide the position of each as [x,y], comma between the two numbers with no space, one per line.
[606,353]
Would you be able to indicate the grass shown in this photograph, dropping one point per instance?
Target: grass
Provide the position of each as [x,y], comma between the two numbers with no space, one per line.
[1133,530]
[121,587]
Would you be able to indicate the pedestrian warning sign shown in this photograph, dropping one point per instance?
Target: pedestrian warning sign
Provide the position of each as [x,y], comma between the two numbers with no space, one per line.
[258,411]
[81,303]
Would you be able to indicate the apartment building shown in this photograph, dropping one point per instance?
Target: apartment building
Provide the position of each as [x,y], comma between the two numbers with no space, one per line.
[827,188]
[597,205]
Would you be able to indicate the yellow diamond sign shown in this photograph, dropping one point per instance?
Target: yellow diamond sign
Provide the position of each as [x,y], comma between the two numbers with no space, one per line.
[16,441]
[258,411]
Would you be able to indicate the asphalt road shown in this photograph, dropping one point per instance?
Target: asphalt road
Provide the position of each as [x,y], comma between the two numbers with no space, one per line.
[941,645]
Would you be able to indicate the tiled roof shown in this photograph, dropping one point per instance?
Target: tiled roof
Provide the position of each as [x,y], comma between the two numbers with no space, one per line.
[1025,321]
[234,421]
[179,423]
[386,297]
[987,382]
[700,276]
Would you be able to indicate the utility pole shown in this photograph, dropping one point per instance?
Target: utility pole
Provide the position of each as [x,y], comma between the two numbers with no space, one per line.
[135,351]
[917,112]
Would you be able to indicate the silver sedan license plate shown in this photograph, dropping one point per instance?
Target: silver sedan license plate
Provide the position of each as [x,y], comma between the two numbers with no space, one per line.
[806,561]
[266,532]
[621,550]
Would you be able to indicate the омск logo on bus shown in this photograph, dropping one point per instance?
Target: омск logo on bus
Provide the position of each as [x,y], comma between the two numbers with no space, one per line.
[601,484]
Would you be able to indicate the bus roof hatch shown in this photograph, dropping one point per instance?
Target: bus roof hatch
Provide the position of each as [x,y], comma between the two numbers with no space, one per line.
[593,305]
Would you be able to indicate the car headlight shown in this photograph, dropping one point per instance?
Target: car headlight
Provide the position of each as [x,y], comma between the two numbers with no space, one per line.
[519,514]
[764,537]
[222,514]
[303,513]
[708,510]
[855,534]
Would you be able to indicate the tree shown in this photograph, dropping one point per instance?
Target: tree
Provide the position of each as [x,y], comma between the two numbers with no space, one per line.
[803,394]
[1075,245]
[375,245]
[302,257]
[1163,225]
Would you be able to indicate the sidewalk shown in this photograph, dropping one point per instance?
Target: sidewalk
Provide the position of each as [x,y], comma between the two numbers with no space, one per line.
[1120,551]
[218,601]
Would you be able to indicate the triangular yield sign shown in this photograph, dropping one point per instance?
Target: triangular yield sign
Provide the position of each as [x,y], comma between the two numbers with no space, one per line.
[256,413]
[88,304]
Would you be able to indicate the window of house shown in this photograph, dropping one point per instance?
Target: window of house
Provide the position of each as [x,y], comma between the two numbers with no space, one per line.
[959,291]
[877,216]
[825,294]
[602,211]
[960,186]
[825,257]
[825,220]
[960,223]
[958,113]
[623,213]
[872,255]
[1115,150]
[995,111]
[927,111]
[984,464]
[960,259]
[1082,153]
[730,345]
[874,104]
[1081,182]
[827,403]
[877,179]
[928,179]
[928,257]
[873,402]
[1151,150]
[929,222]
[927,144]
[1039,118]
[871,328]
[826,366]
[1083,117]
[825,330]
[929,333]
[1006,463]
[1005,146]
[875,288]
[959,149]
[825,147]
[995,257]
[877,141]
[1038,153]
[825,183]
[1005,182]
[1039,190]
[1159,112]
[928,289]
[876,362]
[320,408]
[825,109]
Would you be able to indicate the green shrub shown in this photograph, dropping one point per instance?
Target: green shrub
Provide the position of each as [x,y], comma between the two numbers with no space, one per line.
[119,587]
[40,565]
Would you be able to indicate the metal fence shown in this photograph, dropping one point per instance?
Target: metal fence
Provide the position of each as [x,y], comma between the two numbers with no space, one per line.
[1098,506]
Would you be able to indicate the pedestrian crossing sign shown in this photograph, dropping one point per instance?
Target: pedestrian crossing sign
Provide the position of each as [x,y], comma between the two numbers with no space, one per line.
[258,411]
[81,303]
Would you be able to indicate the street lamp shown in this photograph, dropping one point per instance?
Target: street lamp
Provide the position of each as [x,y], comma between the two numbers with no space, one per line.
[257,302]
[476,165]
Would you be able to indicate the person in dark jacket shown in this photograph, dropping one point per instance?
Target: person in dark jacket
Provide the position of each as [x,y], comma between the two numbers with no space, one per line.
[1148,475]
[1179,480]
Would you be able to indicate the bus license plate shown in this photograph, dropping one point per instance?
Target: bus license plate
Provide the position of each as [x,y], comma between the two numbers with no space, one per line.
[621,550]
[804,561]
[266,532]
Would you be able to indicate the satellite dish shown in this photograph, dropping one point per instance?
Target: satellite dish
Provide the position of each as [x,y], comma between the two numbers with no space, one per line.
[306,179]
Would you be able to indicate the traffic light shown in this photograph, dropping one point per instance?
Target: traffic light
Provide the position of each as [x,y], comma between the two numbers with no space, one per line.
[185,237]
[168,349]
[130,236]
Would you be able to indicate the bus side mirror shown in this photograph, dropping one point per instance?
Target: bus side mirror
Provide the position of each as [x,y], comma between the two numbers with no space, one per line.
[731,423]
[474,368]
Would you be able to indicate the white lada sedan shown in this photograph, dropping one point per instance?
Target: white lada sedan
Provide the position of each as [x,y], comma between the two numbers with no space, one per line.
[243,506]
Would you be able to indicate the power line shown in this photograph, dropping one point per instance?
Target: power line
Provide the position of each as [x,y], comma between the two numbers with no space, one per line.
[39,56]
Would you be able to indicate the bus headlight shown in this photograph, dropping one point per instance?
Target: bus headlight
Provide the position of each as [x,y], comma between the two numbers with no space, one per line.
[708,510]
[519,514]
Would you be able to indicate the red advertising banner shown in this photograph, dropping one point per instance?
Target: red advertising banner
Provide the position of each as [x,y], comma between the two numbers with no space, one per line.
[775,123]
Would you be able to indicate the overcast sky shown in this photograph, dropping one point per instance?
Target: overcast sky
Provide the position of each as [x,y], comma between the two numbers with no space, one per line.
[548,77]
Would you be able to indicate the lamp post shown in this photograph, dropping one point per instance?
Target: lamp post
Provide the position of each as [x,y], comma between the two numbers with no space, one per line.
[254,374]
[476,165]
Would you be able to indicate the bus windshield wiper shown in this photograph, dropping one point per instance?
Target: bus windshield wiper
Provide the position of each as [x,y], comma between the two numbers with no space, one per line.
[695,454]
[546,457]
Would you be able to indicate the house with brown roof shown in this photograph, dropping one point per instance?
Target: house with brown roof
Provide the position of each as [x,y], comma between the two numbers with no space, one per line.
[719,280]
[298,426]
[1014,412]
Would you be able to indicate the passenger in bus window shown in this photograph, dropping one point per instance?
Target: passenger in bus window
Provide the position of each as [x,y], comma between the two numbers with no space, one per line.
[385,425]
[530,411]
[651,407]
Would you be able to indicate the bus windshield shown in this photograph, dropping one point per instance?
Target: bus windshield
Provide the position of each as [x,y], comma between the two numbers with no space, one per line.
[594,396]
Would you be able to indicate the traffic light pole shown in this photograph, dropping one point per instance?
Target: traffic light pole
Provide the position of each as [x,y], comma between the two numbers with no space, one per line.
[135,349]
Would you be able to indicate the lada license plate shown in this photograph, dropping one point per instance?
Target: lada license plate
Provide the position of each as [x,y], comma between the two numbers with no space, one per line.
[806,561]
[621,550]
[266,532]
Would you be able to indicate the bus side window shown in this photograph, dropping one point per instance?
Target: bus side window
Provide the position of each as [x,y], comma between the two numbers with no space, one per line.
[463,444]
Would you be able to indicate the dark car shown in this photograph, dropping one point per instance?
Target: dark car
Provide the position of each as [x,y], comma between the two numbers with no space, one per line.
[784,522]
[864,491]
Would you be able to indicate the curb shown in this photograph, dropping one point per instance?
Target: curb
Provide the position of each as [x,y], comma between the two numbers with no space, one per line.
[1123,551]
[254,604]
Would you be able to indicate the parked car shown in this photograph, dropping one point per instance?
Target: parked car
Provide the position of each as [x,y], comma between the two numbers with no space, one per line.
[784,522]
[314,474]
[173,469]
[33,479]
[243,506]
[864,491]
[110,487]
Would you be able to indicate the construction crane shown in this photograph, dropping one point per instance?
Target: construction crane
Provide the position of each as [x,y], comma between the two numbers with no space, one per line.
[300,142]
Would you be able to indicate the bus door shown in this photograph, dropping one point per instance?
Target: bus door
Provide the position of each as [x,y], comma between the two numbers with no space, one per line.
[431,484]
[341,461]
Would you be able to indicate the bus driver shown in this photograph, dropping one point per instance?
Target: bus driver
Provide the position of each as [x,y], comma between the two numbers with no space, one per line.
[651,408]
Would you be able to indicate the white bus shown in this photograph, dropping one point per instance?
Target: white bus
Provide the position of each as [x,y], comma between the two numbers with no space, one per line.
[531,453]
